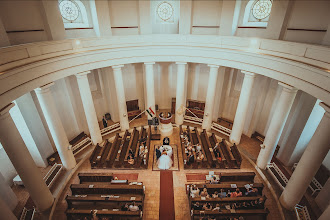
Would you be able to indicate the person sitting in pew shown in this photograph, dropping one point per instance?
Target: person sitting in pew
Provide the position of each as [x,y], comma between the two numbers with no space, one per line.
[216,150]
[94,217]
[133,207]
[222,194]
[197,206]
[198,147]
[125,207]
[217,208]
[206,207]
[214,180]
[215,195]
[229,193]
[130,157]
[200,156]
[204,193]
[194,192]
[258,204]
[252,192]
[191,158]
[237,193]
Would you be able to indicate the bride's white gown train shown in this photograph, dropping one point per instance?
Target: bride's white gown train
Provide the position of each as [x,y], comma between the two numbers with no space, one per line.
[165,162]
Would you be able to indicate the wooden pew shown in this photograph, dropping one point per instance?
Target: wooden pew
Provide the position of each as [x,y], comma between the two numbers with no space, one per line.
[254,214]
[206,162]
[132,146]
[76,201]
[124,147]
[95,177]
[226,200]
[75,214]
[138,160]
[184,155]
[213,141]
[229,157]
[211,188]
[94,155]
[237,177]
[207,146]
[111,157]
[236,155]
[105,154]
[145,166]
[106,189]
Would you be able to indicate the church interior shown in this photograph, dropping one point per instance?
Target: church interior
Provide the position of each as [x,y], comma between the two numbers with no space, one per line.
[171,109]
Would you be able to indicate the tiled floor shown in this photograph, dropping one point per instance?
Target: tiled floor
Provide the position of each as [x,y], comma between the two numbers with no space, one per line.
[151,180]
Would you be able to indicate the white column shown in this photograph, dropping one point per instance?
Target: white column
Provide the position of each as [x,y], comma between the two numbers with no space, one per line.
[322,199]
[325,215]
[209,104]
[7,194]
[21,159]
[243,103]
[309,163]
[276,126]
[52,19]
[122,108]
[185,17]
[5,211]
[89,108]
[180,93]
[145,17]
[55,126]
[229,17]
[102,20]
[150,86]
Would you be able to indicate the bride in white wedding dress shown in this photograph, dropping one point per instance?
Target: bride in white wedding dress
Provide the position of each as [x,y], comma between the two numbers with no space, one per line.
[165,162]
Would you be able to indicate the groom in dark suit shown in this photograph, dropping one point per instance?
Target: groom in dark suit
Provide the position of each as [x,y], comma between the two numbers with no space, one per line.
[158,153]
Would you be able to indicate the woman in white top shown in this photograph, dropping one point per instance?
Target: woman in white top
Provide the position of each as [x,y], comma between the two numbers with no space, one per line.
[194,192]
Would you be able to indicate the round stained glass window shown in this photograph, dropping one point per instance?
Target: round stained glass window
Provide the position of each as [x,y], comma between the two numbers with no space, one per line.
[261,9]
[165,11]
[69,10]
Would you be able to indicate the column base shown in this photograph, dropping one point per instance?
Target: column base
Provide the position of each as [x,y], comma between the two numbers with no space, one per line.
[166,129]
[284,204]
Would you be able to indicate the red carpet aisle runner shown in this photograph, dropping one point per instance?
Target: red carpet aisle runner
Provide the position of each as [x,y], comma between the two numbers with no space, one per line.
[166,205]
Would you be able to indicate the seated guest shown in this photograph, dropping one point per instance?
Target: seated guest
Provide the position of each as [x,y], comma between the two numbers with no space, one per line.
[222,194]
[216,150]
[124,207]
[198,147]
[209,206]
[133,207]
[197,206]
[229,193]
[94,217]
[215,195]
[252,192]
[200,156]
[130,158]
[217,208]
[145,156]
[204,193]
[191,158]
[194,192]
[214,180]
[237,193]
[258,204]
[141,152]
[205,207]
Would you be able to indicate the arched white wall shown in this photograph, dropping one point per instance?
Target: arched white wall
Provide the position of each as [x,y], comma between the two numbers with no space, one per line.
[28,66]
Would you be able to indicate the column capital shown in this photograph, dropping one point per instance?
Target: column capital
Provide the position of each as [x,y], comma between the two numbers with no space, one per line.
[5,110]
[326,108]
[44,88]
[181,63]
[117,66]
[249,74]
[288,87]
[149,63]
[82,74]
[213,66]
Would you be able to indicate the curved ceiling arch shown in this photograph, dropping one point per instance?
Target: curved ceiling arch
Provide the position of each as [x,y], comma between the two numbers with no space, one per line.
[22,76]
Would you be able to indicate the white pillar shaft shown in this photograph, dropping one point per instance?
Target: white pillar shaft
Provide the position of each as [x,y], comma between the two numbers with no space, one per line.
[180,94]
[55,126]
[209,104]
[7,194]
[276,125]
[309,163]
[325,215]
[243,103]
[89,108]
[5,211]
[23,162]
[122,108]
[150,86]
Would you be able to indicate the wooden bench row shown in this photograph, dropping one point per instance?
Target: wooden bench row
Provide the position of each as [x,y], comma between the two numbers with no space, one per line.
[211,188]
[258,214]
[106,189]
[73,214]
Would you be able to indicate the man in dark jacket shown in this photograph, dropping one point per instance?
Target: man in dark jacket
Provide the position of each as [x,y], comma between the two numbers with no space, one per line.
[158,153]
